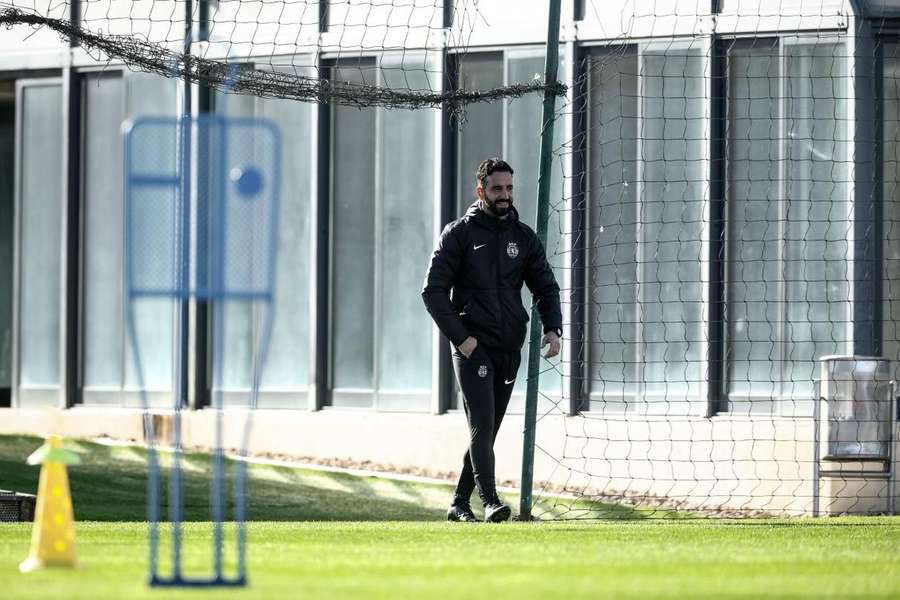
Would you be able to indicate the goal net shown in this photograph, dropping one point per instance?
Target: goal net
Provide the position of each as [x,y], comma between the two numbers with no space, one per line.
[384,53]
[728,221]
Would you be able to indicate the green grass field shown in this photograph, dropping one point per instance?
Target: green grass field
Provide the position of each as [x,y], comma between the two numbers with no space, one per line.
[332,535]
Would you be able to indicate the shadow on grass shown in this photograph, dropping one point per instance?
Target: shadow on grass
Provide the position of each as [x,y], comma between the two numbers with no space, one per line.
[111,485]
[568,509]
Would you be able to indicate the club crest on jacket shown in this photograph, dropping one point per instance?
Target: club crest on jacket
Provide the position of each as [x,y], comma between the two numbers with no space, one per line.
[512,249]
[482,371]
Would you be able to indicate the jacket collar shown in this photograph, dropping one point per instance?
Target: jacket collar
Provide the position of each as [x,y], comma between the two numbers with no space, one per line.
[477,214]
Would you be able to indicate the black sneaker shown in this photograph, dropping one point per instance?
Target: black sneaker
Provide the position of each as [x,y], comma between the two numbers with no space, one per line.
[461,513]
[496,512]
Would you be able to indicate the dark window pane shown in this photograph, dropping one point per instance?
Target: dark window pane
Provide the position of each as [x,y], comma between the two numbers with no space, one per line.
[891,195]
[7,164]
[103,214]
[40,203]
[481,135]
[406,153]
[352,244]
[612,236]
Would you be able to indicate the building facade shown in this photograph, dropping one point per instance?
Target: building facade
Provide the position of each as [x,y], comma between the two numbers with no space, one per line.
[725,212]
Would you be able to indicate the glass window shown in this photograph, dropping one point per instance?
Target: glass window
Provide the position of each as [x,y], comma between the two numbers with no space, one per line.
[108,364]
[150,95]
[287,365]
[238,325]
[40,204]
[672,206]
[646,188]
[7,241]
[511,130]
[753,225]
[286,371]
[891,195]
[406,184]
[789,218]
[481,135]
[352,244]
[818,218]
[612,306]
[383,194]
[103,324]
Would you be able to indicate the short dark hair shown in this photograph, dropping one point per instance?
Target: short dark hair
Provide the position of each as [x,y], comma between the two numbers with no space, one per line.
[490,166]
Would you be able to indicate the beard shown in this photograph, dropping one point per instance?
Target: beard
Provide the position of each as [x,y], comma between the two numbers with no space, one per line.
[500,211]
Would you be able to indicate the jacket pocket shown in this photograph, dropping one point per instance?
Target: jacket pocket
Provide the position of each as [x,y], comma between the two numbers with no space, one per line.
[523,312]
[474,313]
[516,320]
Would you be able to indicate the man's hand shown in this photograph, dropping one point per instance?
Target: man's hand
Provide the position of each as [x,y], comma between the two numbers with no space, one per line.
[550,338]
[468,346]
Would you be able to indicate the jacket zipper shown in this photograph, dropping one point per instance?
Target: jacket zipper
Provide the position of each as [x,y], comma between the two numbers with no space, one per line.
[499,283]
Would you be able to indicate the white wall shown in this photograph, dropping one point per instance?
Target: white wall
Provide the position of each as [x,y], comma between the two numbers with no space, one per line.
[498,22]
[749,16]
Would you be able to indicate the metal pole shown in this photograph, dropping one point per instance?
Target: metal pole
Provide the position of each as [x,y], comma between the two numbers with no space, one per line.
[551,67]
[817,407]
[176,501]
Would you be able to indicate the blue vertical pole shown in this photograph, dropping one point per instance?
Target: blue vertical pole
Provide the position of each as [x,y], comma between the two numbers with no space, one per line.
[184,237]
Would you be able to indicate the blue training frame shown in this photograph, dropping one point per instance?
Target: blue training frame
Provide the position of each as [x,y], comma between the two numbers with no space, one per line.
[214,267]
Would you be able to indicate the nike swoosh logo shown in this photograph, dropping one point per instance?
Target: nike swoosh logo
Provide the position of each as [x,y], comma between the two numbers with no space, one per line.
[509,382]
[481,246]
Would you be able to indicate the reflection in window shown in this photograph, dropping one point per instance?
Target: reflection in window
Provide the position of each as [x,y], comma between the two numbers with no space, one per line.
[382,201]
[788,225]
[40,200]
[511,130]
[891,195]
[109,99]
[646,188]
[287,360]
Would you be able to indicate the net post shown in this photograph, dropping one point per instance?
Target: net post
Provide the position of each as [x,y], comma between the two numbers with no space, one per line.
[551,67]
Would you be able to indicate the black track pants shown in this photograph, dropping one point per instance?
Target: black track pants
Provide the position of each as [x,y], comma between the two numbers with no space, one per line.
[486,380]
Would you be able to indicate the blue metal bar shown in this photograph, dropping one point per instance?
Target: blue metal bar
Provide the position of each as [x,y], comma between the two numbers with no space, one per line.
[155,181]
[220,203]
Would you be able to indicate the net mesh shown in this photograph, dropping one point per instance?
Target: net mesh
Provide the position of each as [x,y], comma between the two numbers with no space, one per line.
[723,216]
[728,219]
[281,45]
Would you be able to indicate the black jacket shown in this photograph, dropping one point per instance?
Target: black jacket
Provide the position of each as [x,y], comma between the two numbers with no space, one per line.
[484,261]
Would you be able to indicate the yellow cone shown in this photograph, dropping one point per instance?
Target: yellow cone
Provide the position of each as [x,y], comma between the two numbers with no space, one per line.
[53,536]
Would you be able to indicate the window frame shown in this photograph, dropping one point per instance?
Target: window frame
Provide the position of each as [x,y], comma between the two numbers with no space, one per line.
[374,398]
[297,397]
[462,184]
[38,396]
[779,403]
[123,395]
[640,401]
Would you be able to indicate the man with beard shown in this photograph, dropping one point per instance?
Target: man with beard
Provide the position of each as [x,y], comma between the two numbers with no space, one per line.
[473,293]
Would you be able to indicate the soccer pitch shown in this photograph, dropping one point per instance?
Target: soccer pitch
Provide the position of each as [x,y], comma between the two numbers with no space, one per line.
[390,541]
